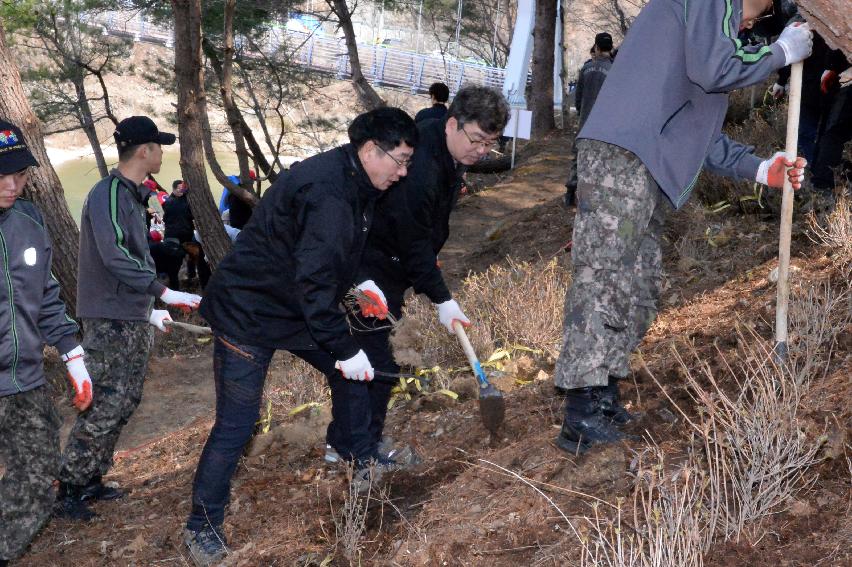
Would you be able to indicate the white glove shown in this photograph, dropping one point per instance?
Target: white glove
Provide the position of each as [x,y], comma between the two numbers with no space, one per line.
[797,41]
[448,312]
[157,317]
[356,368]
[374,304]
[79,377]
[845,77]
[186,302]
[778,91]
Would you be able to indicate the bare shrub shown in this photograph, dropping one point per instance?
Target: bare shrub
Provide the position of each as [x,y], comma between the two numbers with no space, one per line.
[669,522]
[350,520]
[516,303]
[835,232]
[817,315]
[757,455]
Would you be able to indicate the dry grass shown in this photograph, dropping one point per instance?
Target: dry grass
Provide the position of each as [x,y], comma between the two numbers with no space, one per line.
[516,303]
[835,232]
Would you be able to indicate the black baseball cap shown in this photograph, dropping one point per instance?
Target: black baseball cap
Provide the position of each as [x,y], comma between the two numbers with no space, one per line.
[138,130]
[14,153]
[603,41]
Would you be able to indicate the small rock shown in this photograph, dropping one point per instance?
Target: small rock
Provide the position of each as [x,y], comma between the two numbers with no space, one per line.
[773,275]
[800,508]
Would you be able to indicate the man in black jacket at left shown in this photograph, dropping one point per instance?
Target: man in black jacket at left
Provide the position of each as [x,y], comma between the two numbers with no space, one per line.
[281,287]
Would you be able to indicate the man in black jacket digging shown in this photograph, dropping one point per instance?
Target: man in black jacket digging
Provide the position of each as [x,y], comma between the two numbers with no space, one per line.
[412,224]
[281,287]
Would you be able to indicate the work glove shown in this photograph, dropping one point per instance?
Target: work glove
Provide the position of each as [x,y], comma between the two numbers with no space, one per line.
[771,171]
[186,302]
[157,318]
[449,312]
[356,368]
[778,91]
[797,41]
[373,303]
[829,81]
[79,377]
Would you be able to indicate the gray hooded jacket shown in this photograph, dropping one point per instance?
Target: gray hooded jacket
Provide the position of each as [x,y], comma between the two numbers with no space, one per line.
[666,95]
[31,313]
[117,278]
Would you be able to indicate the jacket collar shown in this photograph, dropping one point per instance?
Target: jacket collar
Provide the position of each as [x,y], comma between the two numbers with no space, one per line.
[437,135]
[140,192]
[355,170]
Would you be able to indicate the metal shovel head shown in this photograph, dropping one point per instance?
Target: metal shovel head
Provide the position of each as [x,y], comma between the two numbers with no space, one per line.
[492,408]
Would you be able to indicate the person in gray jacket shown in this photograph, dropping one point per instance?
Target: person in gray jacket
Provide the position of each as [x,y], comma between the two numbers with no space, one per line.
[116,289]
[31,314]
[655,124]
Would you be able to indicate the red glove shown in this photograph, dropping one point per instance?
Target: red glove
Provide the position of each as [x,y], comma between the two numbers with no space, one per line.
[771,171]
[829,82]
[373,302]
[79,377]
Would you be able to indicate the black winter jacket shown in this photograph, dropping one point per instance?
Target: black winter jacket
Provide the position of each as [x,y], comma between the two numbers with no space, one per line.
[31,312]
[282,284]
[412,222]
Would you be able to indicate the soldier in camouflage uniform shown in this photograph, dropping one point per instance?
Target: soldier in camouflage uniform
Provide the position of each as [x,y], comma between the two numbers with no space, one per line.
[31,314]
[655,123]
[116,289]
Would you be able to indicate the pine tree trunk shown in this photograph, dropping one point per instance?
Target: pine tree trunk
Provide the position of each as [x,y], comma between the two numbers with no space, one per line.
[541,97]
[369,98]
[44,187]
[189,76]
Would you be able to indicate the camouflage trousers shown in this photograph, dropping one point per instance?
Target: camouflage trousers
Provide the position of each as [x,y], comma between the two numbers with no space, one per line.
[117,360]
[617,261]
[29,449]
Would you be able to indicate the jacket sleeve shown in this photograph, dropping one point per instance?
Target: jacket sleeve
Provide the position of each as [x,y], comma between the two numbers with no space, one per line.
[732,159]
[56,327]
[110,226]
[322,254]
[715,59]
[578,90]
[419,260]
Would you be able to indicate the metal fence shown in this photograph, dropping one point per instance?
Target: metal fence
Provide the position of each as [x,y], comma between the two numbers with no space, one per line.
[381,65]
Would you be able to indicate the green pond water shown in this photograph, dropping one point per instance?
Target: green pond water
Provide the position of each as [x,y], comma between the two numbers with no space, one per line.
[78,176]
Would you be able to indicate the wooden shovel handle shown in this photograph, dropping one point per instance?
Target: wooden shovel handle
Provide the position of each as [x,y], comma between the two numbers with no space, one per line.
[470,353]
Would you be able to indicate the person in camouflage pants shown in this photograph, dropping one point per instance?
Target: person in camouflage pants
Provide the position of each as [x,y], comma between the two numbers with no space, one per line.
[117,355]
[29,449]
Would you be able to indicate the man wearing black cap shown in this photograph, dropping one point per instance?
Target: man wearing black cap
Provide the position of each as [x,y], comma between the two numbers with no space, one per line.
[589,84]
[116,289]
[31,314]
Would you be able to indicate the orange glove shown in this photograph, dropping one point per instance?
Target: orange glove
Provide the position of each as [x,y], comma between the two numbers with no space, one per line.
[771,171]
[373,302]
[79,377]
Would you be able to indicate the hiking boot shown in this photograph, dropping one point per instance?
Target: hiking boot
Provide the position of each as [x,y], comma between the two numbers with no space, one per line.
[610,404]
[71,505]
[206,546]
[331,457]
[404,455]
[370,473]
[97,490]
[585,424]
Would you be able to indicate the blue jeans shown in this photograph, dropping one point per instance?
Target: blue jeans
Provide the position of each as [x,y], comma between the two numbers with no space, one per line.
[239,372]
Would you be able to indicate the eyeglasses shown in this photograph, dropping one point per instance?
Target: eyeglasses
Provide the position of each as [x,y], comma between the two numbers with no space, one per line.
[406,163]
[485,144]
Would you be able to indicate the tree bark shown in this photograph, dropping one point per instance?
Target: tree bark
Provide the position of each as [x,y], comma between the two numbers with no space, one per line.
[189,76]
[369,98]
[44,187]
[541,96]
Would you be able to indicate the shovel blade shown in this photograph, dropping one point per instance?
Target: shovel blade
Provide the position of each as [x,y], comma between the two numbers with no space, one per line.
[492,408]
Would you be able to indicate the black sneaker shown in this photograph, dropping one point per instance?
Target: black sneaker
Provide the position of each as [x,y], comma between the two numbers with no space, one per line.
[97,490]
[610,404]
[370,473]
[580,433]
[206,546]
[403,455]
[70,504]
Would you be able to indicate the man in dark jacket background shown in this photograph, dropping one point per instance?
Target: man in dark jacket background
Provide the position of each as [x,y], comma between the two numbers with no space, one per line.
[281,287]
[31,314]
[412,225]
[440,94]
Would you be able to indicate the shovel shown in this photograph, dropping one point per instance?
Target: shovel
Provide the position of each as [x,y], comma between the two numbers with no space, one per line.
[787,215]
[196,329]
[492,407]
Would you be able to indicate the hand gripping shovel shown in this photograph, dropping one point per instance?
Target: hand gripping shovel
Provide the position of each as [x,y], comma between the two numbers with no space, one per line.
[492,407]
